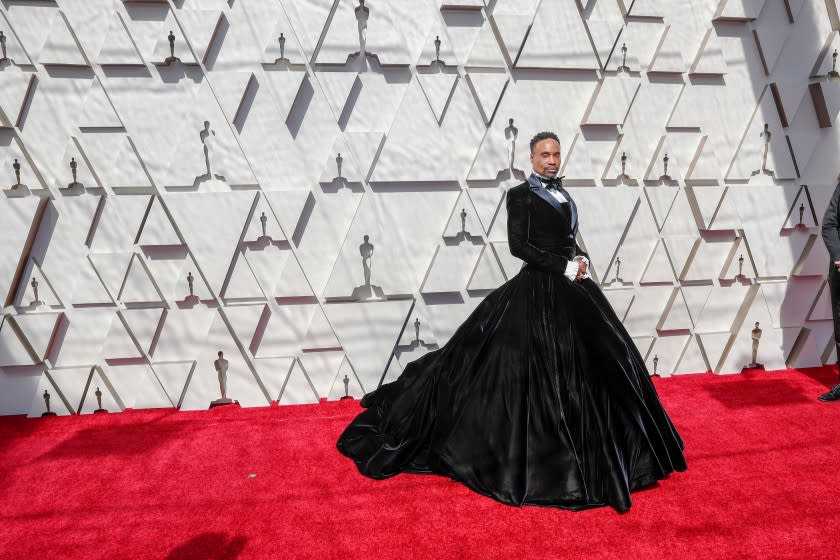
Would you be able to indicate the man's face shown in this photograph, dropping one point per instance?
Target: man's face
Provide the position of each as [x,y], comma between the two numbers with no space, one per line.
[545,157]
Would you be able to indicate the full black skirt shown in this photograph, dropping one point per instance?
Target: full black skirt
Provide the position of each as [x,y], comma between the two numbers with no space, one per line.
[540,397]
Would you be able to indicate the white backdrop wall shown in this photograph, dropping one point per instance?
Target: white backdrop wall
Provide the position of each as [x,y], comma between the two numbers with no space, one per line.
[214,158]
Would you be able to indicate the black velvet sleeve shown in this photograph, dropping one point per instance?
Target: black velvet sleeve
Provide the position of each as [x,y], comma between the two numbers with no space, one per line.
[518,226]
[831,227]
[581,253]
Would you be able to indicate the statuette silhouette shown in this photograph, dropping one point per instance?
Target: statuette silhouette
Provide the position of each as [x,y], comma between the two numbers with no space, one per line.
[206,135]
[655,364]
[98,394]
[2,45]
[618,269]
[437,48]
[171,38]
[338,163]
[346,381]
[366,290]
[623,67]
[282,41]
[463,220]
[16,167]
[623,164]
[366,251]
[766,135]
[73,171]
[190,280]
[263,222]
[665,161]
[756,337]
[362,15]
[801,212]
[221,365]
[833,74]
[46,396]
[741,265]
[417,329]
[37,301]
[511,133]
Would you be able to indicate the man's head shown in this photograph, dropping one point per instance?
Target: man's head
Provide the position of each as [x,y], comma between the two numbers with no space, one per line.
[545,154]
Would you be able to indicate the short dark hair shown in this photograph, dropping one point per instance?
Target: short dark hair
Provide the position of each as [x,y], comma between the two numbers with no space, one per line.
[540,136]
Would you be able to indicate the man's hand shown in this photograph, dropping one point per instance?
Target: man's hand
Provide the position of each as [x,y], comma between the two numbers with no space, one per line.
[582,269]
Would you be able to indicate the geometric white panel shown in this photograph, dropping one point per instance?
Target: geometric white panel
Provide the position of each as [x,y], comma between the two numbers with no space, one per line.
[37,406]
[15,218]
[353,388]
[646,310]
[159,261]
[557,39]
[274,373]
[322,370]
[157,229]
[771,344]
[183,334]
[98,390]
[763,211]
[298,389]
[400,234]
[138,285]
[488,274]
[721,309]
[119,344]
[137,386]
[84,338]
[450,270]
[368,351]
[173,377]
[12,348]
[789,302]
[22,389]
[72,382]
[666,351]
[212,225]
[692,360]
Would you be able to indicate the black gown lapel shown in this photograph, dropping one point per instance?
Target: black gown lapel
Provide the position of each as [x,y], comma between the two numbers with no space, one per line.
[537,188]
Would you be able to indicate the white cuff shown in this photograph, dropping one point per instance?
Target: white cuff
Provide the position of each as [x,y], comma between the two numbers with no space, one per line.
[573,267]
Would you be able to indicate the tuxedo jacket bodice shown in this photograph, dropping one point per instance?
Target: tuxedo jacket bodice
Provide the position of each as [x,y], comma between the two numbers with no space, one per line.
[540,232]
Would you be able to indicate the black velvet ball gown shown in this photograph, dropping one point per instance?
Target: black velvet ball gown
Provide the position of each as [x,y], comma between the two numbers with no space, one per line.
[540,397]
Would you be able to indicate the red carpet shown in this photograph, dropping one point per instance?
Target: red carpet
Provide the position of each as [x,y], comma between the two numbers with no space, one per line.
[763,481]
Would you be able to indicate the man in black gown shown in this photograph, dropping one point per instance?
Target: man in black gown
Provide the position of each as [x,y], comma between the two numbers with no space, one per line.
[540,397]
[831,237]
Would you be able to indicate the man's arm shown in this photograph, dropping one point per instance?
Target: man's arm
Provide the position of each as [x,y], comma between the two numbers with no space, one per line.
[831,227]
[581,253]
[520,247]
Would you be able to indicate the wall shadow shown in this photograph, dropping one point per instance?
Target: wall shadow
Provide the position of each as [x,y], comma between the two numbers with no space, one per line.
[209,546]
[760,393]
[114,439]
